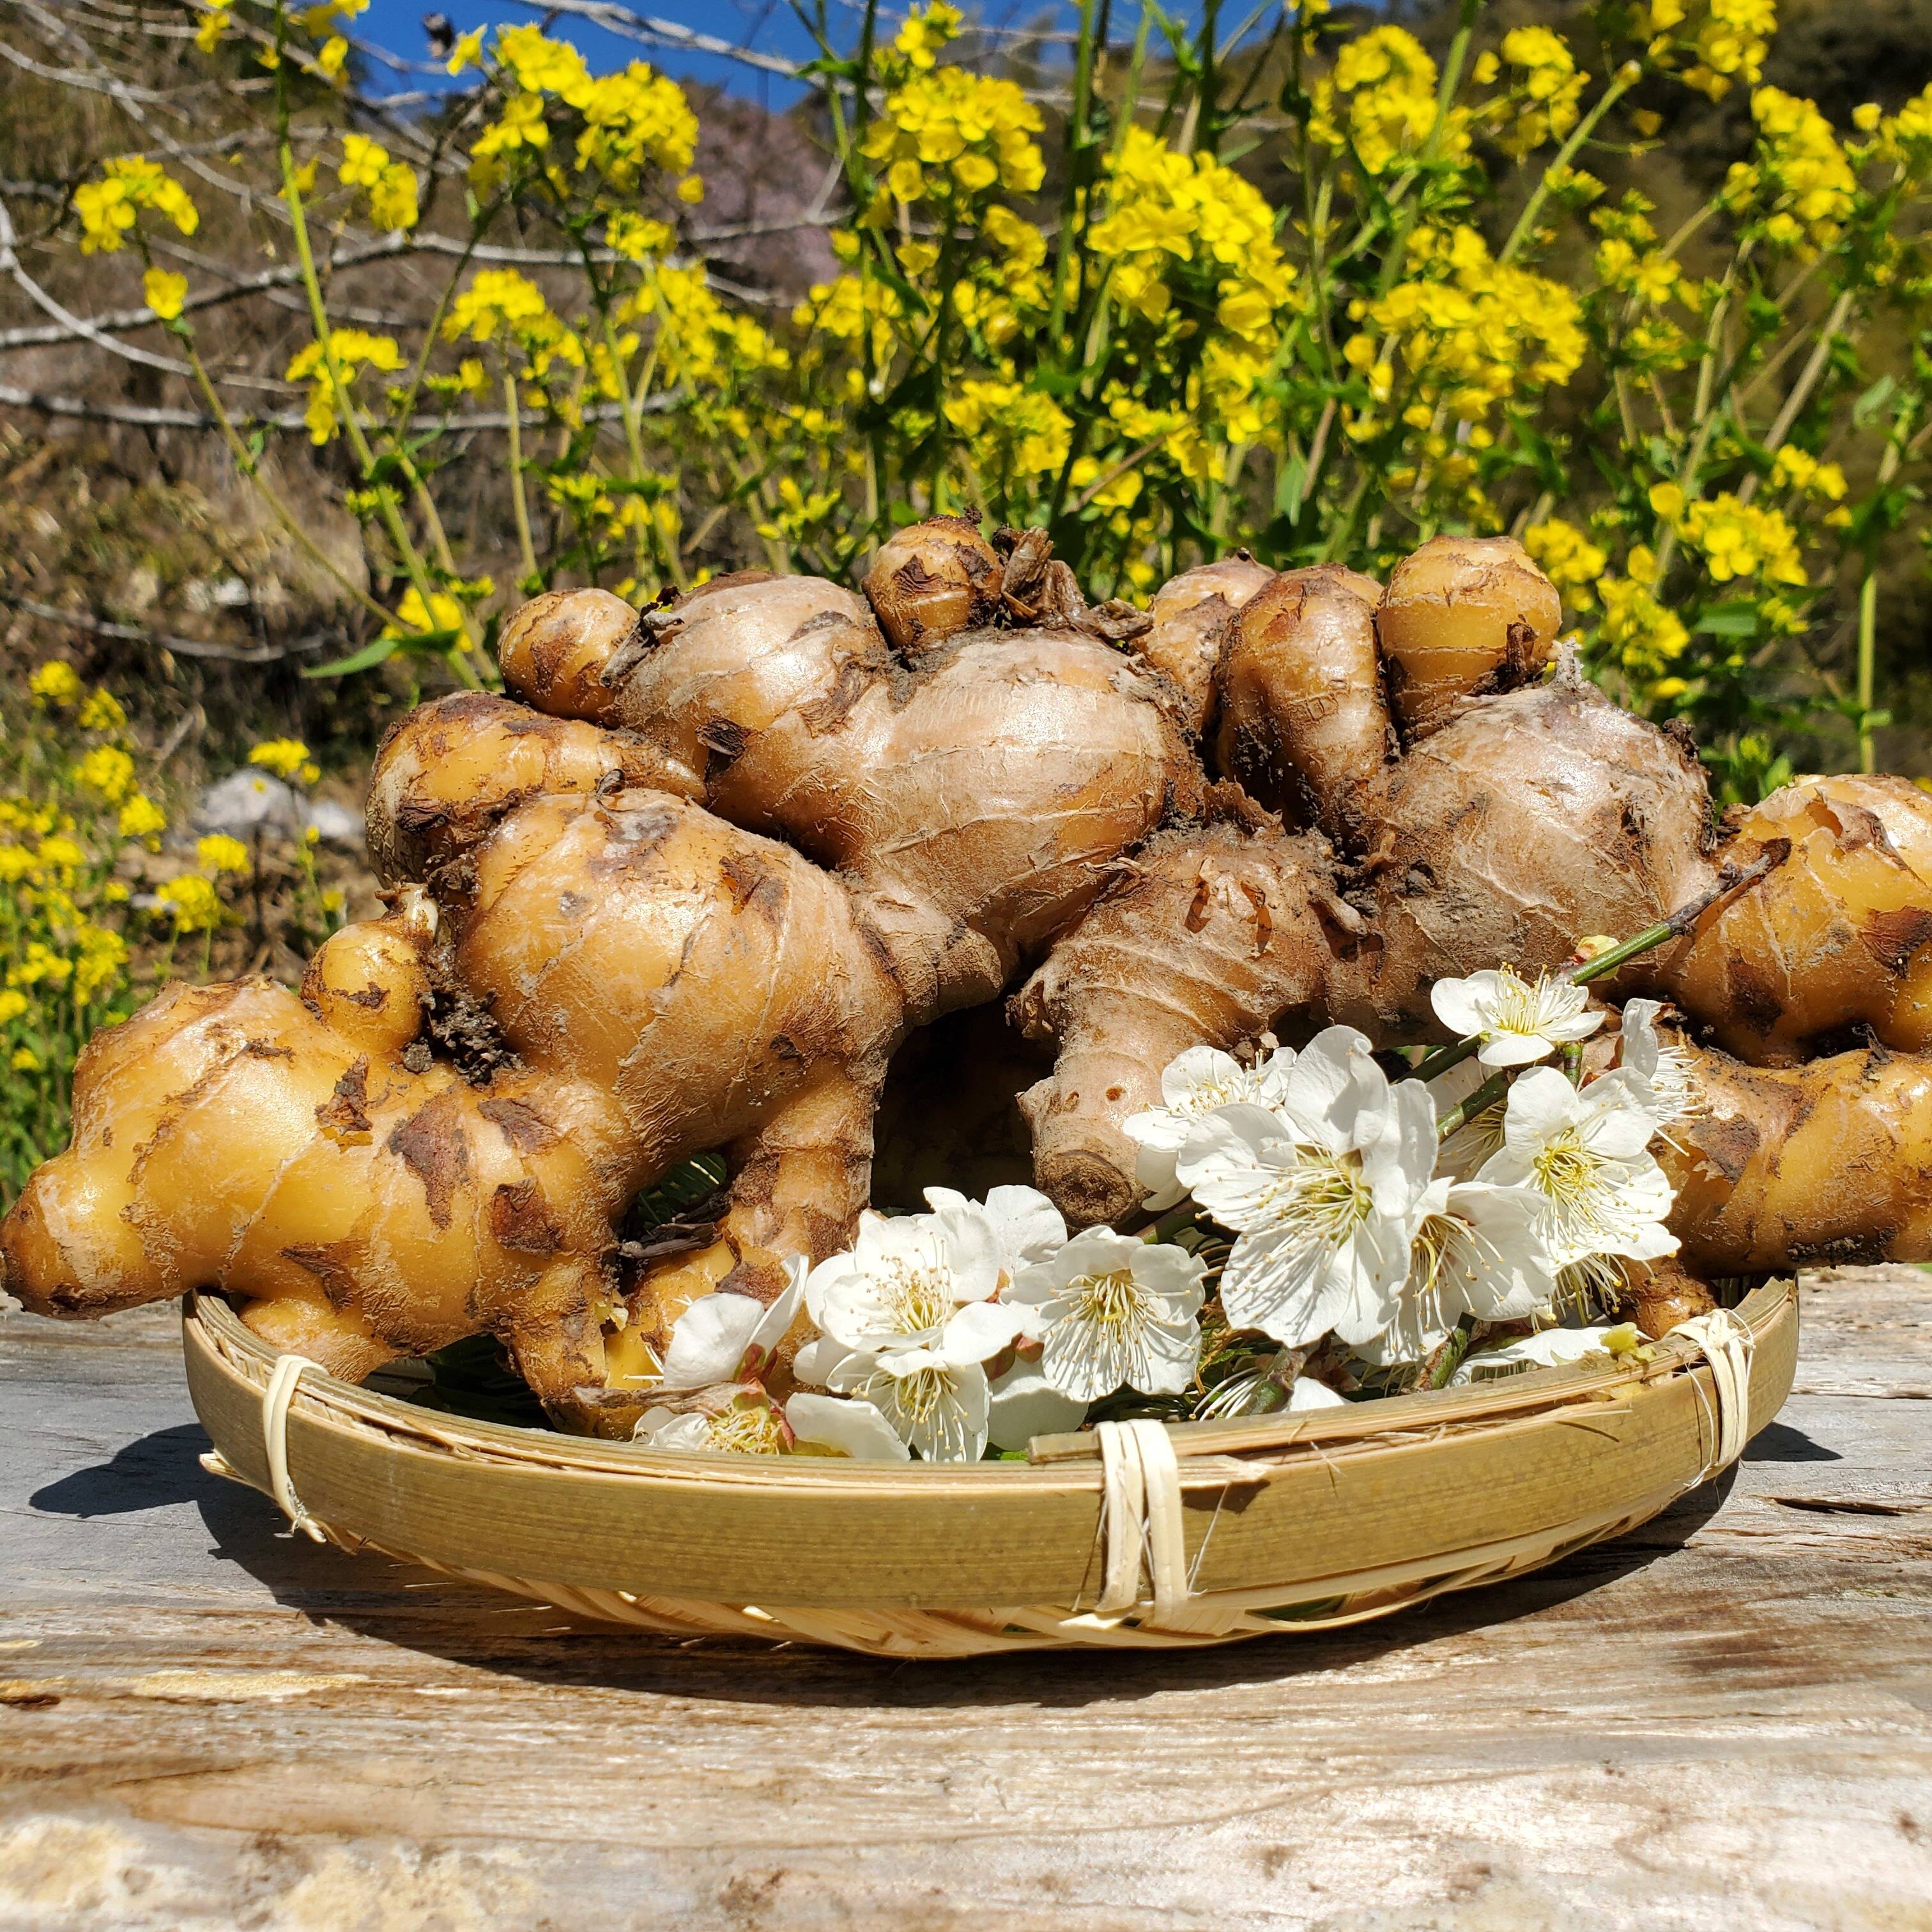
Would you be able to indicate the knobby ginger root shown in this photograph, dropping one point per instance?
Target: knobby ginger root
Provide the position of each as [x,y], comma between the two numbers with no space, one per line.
[1233,923]
[1825,1164]
[1302,725]
[691,886]
[1463,615]
[1839,937]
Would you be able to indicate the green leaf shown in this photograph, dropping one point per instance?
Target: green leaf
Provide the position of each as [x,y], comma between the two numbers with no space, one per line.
[1729,620]
[366,659]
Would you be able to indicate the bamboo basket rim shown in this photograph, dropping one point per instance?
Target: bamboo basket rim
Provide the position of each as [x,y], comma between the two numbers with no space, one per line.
[880,1557]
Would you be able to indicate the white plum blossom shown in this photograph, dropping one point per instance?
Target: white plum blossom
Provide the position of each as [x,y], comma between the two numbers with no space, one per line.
[1193,1084]
[1518,1021]
[908,1320]
[934,1402]
[1584,1151]
[723,1337]
[1479,1251]
[1661,1069]
[743,1420]
[735,1419]
[1323,1193]
[1114,1311]
[1022,1404]
[1549,1348]
[1027,1226]
[916,1284]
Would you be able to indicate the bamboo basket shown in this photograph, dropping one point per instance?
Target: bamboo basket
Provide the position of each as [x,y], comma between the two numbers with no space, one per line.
[1135,1535]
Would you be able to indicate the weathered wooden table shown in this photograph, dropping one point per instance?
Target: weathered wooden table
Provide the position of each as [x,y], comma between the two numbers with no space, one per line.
[1723,1720]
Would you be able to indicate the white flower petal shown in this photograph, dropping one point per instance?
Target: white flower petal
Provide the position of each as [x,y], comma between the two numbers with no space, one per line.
[854,1428]
[1307,1393]
[1463,1005]
[667,1429]
[1022,1404]
[980,1329]
[815,1363]
[709,1340]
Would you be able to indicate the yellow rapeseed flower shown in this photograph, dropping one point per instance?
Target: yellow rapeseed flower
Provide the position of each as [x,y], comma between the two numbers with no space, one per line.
[414,618]
[12,1003]
[102,711]
[109,208]
[194,903]
[57,682]
[165,293]
[108,771]
[218,853]
[287,757]
[354,350]
[391,187]
[142,819]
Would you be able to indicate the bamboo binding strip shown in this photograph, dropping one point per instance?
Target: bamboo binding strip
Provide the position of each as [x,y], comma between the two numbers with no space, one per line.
[1131,1534]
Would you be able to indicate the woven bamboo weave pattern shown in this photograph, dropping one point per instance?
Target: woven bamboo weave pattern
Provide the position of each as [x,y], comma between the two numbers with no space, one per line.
[1213,1533]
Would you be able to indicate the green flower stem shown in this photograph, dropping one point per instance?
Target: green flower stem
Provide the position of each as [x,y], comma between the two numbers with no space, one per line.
[1485,1096]
[1868,663]
[1276,1383]
[1626,78]
[1448,1358]
[519,496]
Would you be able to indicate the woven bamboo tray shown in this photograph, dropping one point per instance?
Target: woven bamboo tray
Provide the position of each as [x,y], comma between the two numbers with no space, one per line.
[1203,1534]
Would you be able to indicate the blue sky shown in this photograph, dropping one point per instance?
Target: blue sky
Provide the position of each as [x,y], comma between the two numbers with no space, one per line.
[770,26]
[396,25]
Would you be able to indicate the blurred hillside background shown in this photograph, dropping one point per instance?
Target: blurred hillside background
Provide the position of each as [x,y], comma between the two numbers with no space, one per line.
[327,333]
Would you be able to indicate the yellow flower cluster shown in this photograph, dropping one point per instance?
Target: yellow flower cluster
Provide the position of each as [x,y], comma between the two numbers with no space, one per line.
[927,30]
[699,340]
[62,961]
[353,351]
[390,186]
[1471,333]
[1544,90]
[1802,172]
[946,134]
[1568,558]
[108,771]
[142,821]
[1902,140]
[110,208]
[414,618]
[1013,431]
[630,121]
[1794,468]
[504,302]
[1167,210]
[57,683]
[1738,539]
[1641,634]
[192,902]
[288,758]
[1725,41]
[219,855]
[1381,101]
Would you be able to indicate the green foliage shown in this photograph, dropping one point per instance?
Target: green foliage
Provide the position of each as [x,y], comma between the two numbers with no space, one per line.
[1078,305]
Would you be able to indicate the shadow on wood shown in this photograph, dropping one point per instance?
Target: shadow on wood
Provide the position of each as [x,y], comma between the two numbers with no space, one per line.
[418,1609]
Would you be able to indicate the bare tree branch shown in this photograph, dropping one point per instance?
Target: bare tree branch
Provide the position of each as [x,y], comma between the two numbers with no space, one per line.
[187,647]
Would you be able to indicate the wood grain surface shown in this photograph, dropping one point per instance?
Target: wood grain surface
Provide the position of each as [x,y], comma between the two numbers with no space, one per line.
[1723,1720]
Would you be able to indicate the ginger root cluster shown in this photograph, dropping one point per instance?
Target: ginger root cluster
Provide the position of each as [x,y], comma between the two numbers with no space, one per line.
[696,880]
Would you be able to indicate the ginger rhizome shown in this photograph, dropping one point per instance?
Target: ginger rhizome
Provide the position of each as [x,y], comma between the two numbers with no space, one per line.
[693,883]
